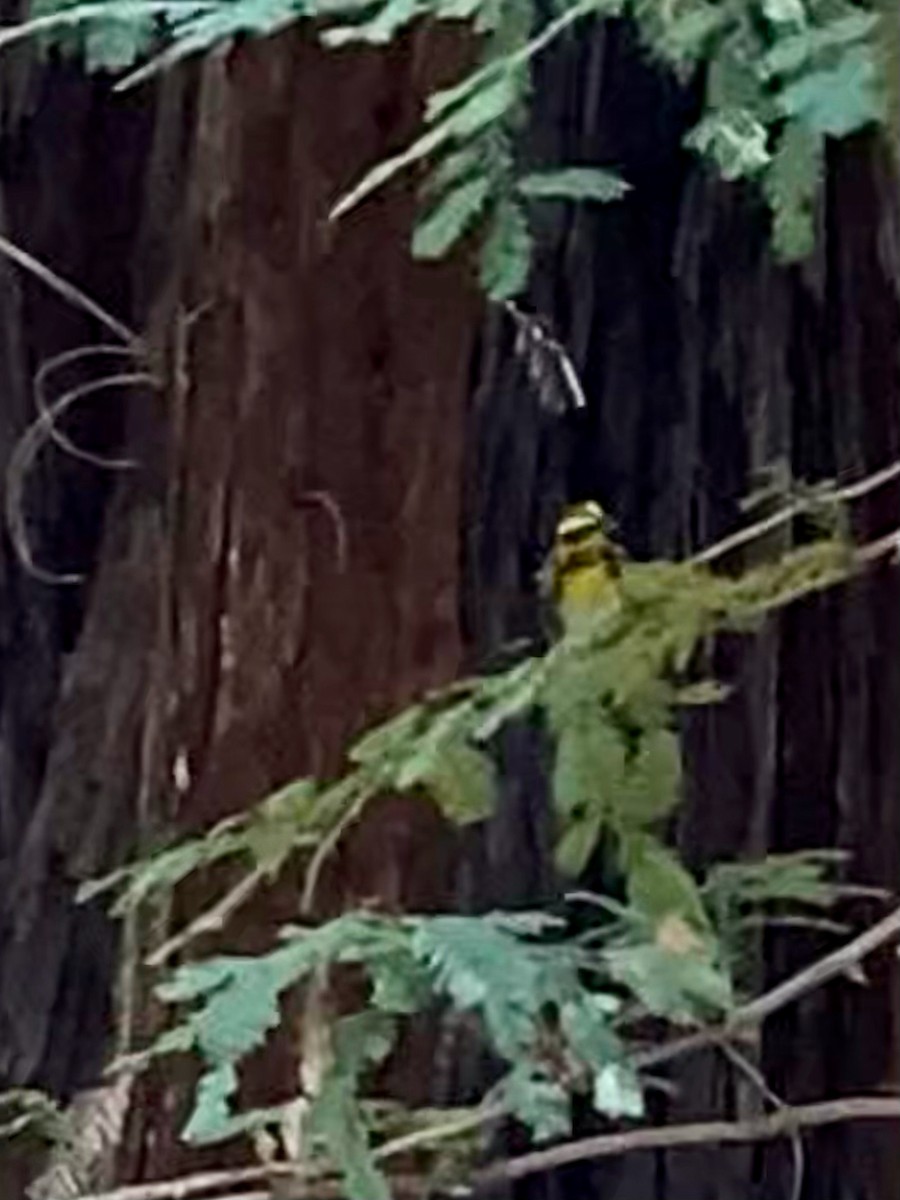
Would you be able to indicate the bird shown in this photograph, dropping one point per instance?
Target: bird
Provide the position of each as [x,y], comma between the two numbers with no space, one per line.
[584,569]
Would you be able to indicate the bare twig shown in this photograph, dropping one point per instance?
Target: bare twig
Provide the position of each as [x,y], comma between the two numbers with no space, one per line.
[223,1183]
[211,920]
[48,414]
[203,1182]
[24,455]
[851,491]
[74,295]
[45,408]
[702,1133]
[327,847]
[759,1081]
[871,551]
[332,509]
[455,1127]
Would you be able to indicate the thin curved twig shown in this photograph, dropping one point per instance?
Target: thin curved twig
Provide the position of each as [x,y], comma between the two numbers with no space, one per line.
[332,509]
[23,457]
[45,408]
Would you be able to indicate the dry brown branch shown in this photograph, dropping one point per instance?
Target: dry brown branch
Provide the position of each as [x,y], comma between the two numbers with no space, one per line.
[783,1123]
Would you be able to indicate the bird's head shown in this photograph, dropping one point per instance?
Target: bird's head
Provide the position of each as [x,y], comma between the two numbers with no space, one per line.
[582,524]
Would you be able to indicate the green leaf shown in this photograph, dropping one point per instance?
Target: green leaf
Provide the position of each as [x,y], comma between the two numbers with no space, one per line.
[336,1118]
[463,783]
[452,216]
[651,785]
[390,739]
[32,1112]
[163,871]
[196,27]
[790,54]
[589,763]
[538,1102]
[390,17]
[485,106]
[792,185]
[785,12]
[210,1119]
[399,984]
[577,842]
[505,697]
[114,45]
[735,140]
[589,773]
[455,168]
[179,1040]
[680,34]
[682,988]
[658,885]
[799,878]
[838,102]
[360,1041]
[506,252]
[574,183]
[587,1023]
[194,980]
[617,1092]
[272,828]
[482,967]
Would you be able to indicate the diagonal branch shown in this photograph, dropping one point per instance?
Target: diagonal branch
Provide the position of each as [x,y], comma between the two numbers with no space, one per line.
[752,1015]
[795,508]
[784,1122]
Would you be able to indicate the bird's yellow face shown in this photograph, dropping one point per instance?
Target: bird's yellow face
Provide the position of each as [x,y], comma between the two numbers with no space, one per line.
[585,563]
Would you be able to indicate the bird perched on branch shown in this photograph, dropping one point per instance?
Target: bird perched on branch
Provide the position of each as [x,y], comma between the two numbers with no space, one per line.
[584,570]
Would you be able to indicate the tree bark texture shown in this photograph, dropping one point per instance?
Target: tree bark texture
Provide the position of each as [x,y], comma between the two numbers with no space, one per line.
[329,517]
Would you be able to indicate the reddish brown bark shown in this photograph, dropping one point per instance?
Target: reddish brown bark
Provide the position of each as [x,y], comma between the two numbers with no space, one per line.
[315,416]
